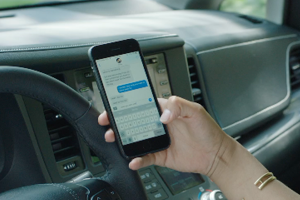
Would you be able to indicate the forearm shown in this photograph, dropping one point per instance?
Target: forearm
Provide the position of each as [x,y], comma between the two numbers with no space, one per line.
[236,170]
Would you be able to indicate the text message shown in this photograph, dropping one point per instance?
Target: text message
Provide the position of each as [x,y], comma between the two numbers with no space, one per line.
[119,99]
[132,86]
[117,75]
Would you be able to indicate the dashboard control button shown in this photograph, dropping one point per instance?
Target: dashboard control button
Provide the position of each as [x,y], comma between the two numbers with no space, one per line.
[205,196]
[219,196]
[69,166]
[166,95]
[148,187]
[162,83]
[151,61]
[201,189]
[85,89]
[147,176]
[161,70]
[88,74]
[158,195]
[214,195]
[152,186]
[154,60]
[155,184]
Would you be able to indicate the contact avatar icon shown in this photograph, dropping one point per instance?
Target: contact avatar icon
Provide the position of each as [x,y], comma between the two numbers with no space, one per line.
[119,60]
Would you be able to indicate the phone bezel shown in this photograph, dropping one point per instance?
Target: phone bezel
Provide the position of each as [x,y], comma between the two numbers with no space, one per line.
[143,147]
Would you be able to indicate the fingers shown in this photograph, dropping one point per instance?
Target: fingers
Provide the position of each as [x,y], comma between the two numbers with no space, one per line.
[140,162]
[176,107]
[109,136]
[103,119]
[136,164]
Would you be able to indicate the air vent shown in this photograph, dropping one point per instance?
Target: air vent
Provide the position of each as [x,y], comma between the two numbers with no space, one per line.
[62,135]
[295,68]
[196,89]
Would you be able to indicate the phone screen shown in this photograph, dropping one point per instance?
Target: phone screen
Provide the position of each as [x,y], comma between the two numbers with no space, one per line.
[130,97]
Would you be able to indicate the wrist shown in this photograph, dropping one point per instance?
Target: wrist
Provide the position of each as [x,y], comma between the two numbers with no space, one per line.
[236,170]
[223,158]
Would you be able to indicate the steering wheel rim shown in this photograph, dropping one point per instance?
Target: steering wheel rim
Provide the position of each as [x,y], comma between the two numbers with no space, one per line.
[82,116]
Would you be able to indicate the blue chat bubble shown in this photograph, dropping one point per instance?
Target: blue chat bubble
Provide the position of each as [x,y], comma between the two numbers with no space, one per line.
[132,86]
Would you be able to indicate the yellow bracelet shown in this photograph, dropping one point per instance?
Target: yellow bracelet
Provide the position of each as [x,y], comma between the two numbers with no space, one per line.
[264,180]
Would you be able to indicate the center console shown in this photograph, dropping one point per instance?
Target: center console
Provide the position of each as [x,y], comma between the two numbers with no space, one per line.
[163,183]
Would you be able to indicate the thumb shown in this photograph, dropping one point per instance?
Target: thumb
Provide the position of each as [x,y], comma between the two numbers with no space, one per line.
[178,107]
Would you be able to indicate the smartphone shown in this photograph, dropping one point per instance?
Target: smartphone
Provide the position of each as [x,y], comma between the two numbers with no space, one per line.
[129,98]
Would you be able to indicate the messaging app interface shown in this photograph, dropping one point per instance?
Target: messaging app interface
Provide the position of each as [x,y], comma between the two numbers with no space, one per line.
[130,97]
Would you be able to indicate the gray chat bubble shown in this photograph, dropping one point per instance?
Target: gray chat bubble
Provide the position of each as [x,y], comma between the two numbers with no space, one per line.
[117,75]
[118,99]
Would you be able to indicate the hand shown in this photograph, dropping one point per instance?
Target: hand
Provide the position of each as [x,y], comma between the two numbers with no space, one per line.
[197,142]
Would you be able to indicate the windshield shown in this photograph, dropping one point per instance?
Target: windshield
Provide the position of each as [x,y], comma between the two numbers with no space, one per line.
[24,3]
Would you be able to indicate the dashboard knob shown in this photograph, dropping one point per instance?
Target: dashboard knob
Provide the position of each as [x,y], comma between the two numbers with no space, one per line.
[214,195]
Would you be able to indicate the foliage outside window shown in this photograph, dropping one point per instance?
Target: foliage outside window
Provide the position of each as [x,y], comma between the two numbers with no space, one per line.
[248,7]
[14,3]
[18,3]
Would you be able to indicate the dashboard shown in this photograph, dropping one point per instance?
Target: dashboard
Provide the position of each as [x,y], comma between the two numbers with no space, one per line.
[239,68]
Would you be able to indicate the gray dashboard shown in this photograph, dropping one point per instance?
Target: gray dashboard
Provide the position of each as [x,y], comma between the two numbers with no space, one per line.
[236,66]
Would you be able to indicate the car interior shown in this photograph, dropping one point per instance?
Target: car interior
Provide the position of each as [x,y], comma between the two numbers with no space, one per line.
[243,69]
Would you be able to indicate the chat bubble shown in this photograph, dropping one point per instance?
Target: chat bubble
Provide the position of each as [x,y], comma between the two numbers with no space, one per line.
[118,99]
[117,75]
[132,86]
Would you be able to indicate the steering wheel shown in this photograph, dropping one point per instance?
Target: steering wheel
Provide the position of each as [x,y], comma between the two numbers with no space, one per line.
[119,182]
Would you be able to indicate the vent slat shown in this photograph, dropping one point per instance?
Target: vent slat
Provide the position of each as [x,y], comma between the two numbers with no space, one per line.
[196,91]
[292,76]
[64,149]
[193,74]
[295,83]
[196,99]
[58,129]
[195,84]
[295,69]
[61,139]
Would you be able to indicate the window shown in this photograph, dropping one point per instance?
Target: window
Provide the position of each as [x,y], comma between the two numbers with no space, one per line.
[19,3]
[249,7]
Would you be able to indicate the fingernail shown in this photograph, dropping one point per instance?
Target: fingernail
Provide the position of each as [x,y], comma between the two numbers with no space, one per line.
[165,116]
